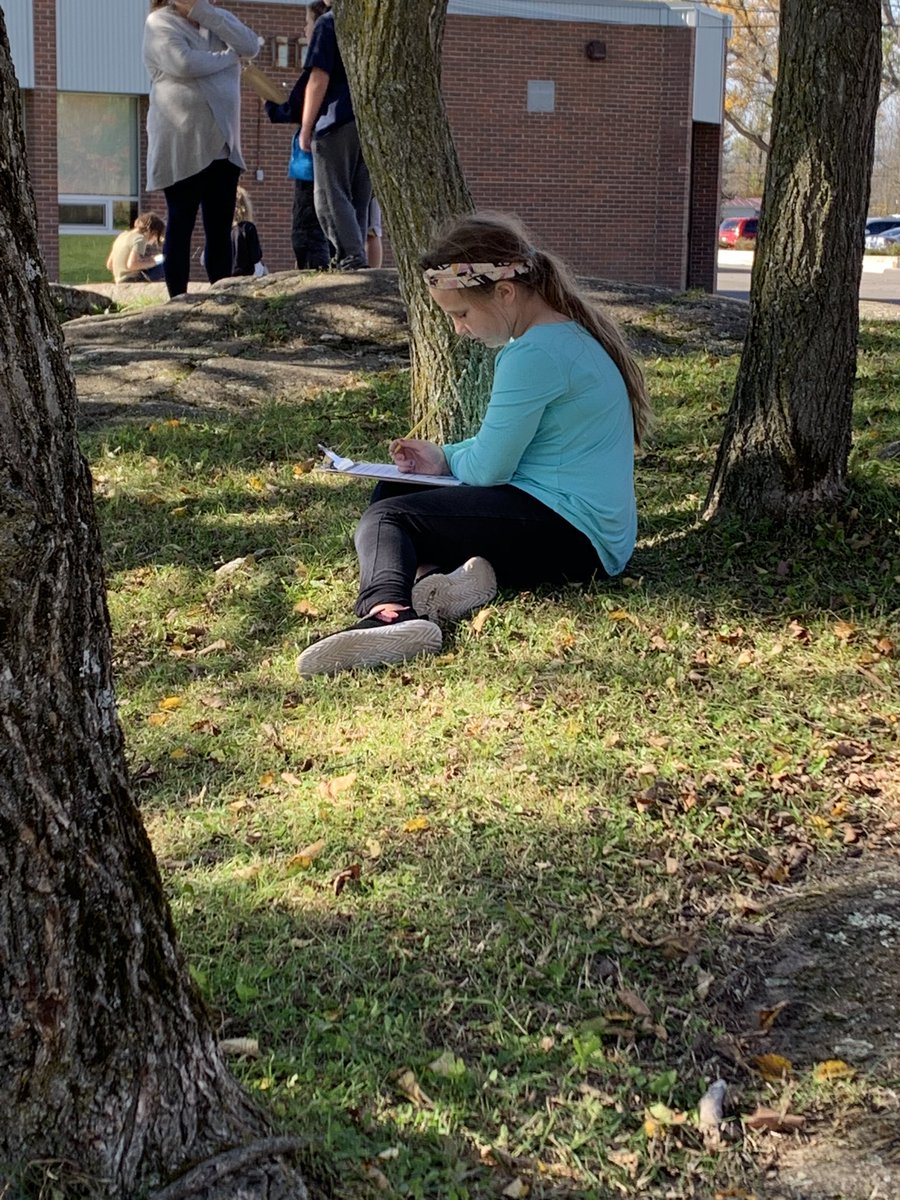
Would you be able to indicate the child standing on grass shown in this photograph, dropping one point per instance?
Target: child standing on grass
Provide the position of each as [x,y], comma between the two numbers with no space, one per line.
[550,473]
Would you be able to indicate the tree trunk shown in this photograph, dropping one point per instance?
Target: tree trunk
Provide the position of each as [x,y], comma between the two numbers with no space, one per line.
[110,1072]
[392,52]
[787,435]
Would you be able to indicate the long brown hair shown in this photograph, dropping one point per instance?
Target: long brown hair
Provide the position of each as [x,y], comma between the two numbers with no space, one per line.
[497,238]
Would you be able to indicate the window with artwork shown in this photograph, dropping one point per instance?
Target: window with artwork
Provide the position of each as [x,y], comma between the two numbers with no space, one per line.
[98,161]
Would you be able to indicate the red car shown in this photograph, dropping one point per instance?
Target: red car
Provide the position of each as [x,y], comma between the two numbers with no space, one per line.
[738,229]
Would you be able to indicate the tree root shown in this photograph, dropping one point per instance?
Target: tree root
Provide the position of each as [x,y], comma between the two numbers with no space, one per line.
[213,1170]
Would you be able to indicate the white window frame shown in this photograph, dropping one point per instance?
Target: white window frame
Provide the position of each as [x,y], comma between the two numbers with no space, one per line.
[106,201]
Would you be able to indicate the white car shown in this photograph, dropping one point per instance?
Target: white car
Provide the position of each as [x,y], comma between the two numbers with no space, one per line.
[880,241]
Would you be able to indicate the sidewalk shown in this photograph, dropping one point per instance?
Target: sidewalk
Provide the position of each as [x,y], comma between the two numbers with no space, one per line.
[873,264]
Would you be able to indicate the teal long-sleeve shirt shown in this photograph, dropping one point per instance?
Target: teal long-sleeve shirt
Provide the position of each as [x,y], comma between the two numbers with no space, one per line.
[559,426]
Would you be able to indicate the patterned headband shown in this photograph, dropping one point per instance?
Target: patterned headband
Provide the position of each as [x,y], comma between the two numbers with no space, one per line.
[465,274]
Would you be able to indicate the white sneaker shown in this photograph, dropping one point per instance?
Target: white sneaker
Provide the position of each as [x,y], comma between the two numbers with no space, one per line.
[372,642]
[446,598]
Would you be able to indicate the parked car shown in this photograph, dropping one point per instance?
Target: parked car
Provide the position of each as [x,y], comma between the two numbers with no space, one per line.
[882,232]
[738,229]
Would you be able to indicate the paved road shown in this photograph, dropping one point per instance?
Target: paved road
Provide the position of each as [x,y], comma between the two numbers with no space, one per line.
[882,288]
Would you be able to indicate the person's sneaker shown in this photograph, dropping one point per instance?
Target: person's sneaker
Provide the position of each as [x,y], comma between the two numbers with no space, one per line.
[353,263]
[372,642]
[446,598]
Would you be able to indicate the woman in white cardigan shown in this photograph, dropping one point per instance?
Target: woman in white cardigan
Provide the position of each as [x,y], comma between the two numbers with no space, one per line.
[192,51]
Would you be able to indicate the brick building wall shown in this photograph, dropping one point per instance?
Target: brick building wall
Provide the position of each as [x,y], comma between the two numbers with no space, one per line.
[39,109]
[603,180]
[706,175]
[618,180]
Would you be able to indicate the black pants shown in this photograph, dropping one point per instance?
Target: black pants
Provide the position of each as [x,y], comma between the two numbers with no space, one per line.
[524,541]
[309,242]
[212,191]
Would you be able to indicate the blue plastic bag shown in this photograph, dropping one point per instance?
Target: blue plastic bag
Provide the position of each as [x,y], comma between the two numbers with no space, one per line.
[301,164]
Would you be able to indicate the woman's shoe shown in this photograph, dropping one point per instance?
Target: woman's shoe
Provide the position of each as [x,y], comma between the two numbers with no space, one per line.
[373,642]
[447,598]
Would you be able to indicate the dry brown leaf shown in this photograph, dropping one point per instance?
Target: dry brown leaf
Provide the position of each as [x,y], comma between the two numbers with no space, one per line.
[799,633]
[206,726]
[517,1189]
[844,630]
[626,1159]
[170,703]
[376,1176]
[291,779]
[332,788]
[772,1067]
[157,718]
[832,1068]
[213,647]
[767,1016]
[773,1121]
[344,877]
[408,1084]
[622,614]
[373,848]
[886,646]
[239,1047]
[303,608]
[303,468]
[266,779]
[633,1001]
[479,620]
[305,857]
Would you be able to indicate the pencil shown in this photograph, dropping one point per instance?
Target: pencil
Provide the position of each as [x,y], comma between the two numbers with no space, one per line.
[423,421]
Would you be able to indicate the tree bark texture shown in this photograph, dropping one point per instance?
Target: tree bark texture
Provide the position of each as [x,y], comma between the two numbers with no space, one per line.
[109,1069]
[392,52]
[787,435]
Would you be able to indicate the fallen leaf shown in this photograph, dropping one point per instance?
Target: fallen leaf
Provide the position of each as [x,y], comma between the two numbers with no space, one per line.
[774,1122]
[767,1015]
[205,726]
[213,647]
[772,1067]
[169,703]
[344,877]
[373,848]
[303,608]
[408,1084]
[158,718]
[305,857]
[291,779]
[633,1001]
[626,1159]
[235,564]
[447,1065]
[331,788]
[478,621]
[516,1190]
[832,1068]
[266,779]
[303,468]
[844,630]
[239,1047]
[178,752]
[885,646]
[622,614]
[416,825]
[376,1176]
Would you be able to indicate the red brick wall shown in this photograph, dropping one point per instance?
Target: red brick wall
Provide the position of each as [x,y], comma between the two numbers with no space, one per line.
[606,180]
[603,181]
[706,168]
[39,106]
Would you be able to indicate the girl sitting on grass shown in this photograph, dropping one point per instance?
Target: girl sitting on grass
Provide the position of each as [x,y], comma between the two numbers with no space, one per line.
[550,473]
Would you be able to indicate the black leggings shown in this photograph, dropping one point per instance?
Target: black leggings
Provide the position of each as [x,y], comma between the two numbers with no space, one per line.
[213,190]
[524,541]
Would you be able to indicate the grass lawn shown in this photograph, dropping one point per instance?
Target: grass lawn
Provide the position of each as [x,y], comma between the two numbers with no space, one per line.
[476,911]
[82,257]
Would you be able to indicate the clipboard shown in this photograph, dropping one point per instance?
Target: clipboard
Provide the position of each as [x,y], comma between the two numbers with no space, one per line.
[336,464]
[260,82]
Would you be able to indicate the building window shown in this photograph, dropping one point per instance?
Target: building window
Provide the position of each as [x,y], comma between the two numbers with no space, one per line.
[98,161]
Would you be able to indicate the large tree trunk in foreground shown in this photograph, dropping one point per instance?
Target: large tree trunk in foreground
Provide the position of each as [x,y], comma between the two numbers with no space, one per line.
[111,1078]
[787,435]
[392,52]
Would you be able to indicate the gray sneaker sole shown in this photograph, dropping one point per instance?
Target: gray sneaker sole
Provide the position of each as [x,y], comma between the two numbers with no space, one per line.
[446,598]
[370,648]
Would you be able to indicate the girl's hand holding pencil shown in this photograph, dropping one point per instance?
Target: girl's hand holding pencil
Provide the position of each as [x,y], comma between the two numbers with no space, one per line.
[415,456]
